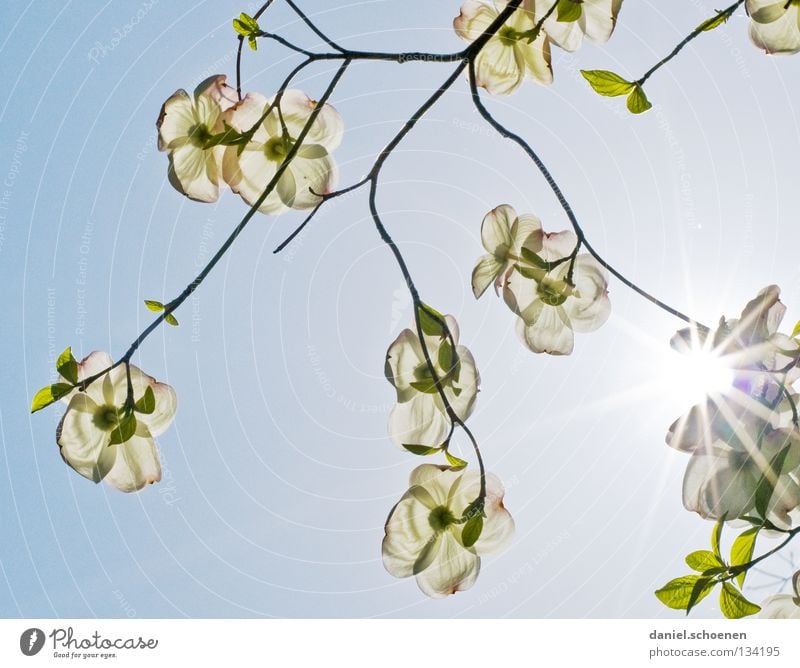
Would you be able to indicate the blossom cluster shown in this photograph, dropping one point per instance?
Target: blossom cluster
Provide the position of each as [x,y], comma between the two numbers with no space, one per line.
[214,139]
[552,289]
[744,442]
[521,49]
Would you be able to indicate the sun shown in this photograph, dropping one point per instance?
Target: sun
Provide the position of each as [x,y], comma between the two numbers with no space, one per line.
[696,374]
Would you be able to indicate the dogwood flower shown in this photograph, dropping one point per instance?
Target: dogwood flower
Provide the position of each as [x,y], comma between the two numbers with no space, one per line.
[424,530]
[573,19]
[723,481]
[98,418]
[187,126]
[512,54]
[775,25]
[504,234]
[783,606]
[419,416]
[311,173]
[550,304]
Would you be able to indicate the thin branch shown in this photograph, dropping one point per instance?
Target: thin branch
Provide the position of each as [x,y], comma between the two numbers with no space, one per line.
[256,16]
[562,200]
[699,30]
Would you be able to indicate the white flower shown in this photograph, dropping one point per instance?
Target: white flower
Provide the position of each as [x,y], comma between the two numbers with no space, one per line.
[85,432]
[783,606]
[503,235]
[186,126]
[312,170]
[775,26]
[573,19]
[510,56]
[722,481]
[551,308]
[424,530]
[419,417]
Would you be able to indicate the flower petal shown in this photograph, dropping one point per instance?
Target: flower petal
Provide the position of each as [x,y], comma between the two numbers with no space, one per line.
[418,421]
[137,463]
[83,445]
[548,333]
[454,569]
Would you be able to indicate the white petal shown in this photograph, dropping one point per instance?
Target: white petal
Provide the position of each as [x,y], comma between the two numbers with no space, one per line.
[249,174]
[496,231]
[92,364]
[328,127]
[311,176]
[402,359]
[418,421]
[83,445]
[591,309]
[781,606]
[175,119]
[136,465]
[556,245]
[166,401]
[454,569]
[408,531]
[548,333]
[779,36]
[486,272]
[468,383]
[220,92]
[194,173]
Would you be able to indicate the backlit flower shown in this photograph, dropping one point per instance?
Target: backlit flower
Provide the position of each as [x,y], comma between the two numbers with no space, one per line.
[775,25]
[573,19]
[419,416]
[511,55]
[187,126]
[783,606]
[86,433]
[424,530]
[310,174]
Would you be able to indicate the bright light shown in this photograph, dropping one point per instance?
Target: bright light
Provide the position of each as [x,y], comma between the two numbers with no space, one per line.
[697,374]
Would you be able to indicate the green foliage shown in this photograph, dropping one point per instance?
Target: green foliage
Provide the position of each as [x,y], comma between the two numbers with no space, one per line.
[472,530]
[425,386]
[67,366]
[742,550]
[716,534]
[713,22]
[421,450]
[124,430]
[456,462]
[685,592]
[146,403]
[569,11]
[796,329]
[704,561]
[154,306]
[247,27]
[733,603]
[171,319]
[431,321]
[637,101]
[48,395]
[607,83]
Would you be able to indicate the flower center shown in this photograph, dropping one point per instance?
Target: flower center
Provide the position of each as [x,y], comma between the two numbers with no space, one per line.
[106,418]
[508,36]
[200,136]
[441,518]
[554,292]
[277,148]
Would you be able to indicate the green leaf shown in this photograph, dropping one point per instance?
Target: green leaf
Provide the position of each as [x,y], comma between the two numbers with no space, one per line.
[171,319]
[713,22]
[472,531]
[124,430]
[425,386]
[454,461]
[742,551]
[446,356]
[154,306]
[685,592]
[252,42]
[431,321]
[48,395]
[146,403]
[67,366]
[569,11]
[637,101]
[703,560]
[245,25]
[765,487]
[796,329]
[421,450]
[607,83]
[716,534]
[733,604]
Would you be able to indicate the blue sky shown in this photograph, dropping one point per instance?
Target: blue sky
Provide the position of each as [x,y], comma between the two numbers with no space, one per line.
[278,471]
